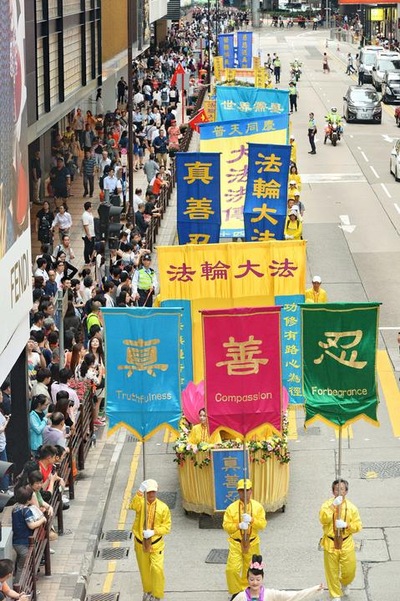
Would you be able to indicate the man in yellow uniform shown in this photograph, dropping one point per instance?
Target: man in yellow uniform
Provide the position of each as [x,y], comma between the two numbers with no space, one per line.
[242,523]
[340,520]
[316,294]
[152,522]
[293,150]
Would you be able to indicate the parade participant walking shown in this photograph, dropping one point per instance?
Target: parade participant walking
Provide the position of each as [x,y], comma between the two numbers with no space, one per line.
[256,591]
[312,130]
[293,150]
[243,519]
[340,519]
[152,523]
[316,294]
[293,226]
[144,282]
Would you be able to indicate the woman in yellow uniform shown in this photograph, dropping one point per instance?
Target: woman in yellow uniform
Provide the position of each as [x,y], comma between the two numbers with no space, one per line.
[294,175]
[293,226]
[201,433]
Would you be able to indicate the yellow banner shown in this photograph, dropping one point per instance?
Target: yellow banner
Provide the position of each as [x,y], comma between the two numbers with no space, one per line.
[210,107]
[218,66]
[239,72]
[229,75]
[260,77]
[256,62]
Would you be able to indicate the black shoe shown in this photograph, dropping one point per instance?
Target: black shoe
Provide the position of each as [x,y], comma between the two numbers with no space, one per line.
[313,152]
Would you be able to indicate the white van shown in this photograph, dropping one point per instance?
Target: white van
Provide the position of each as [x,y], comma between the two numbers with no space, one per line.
[367,60]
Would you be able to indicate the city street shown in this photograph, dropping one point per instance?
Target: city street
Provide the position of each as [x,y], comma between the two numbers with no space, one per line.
[352,225]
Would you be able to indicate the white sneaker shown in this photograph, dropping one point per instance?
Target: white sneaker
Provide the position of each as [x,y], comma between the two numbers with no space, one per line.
[345,590]
[51,551]
[65,499]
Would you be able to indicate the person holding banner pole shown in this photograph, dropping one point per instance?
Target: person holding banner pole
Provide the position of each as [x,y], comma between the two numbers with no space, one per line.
[243,519]
[152,523]
[340,519]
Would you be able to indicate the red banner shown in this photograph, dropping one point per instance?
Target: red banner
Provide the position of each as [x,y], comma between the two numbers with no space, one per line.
[243,389]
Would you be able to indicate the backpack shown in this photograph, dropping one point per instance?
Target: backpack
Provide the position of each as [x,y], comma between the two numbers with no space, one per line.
[164,94]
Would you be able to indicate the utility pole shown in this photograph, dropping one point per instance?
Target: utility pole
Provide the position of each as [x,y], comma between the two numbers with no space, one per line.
[131,215]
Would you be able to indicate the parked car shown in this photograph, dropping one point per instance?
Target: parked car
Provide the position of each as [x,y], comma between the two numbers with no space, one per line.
[391,87]
[395,160]
[384,61]
[367,60]
[362,103]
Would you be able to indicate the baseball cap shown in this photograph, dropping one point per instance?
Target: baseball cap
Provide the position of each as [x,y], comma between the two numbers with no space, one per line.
[317,279]
[297,193]
[294,212]
[292,182]
[151,486]
[241,483]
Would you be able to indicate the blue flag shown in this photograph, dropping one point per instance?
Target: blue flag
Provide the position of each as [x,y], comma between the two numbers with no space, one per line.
[241,102]
[244,49]
[198,197]
[143,366]
[265,204]
[226,49]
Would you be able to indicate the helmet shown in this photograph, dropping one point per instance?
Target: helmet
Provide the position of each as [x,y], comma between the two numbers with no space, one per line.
[334,109]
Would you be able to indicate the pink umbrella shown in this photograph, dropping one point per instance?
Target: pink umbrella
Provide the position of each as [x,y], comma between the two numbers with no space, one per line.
[193,401]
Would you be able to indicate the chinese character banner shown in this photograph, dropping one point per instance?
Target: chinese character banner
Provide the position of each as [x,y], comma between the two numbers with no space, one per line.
[143,365]
[198,197]
[231,138]
[227,468]
[241,102]
[186,372]
[265,206]
[339,360]
[242,383]
[245,49]
[292,365]
[226,49]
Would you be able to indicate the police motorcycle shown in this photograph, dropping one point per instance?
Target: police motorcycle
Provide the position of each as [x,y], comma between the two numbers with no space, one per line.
[295,70]
[333,128]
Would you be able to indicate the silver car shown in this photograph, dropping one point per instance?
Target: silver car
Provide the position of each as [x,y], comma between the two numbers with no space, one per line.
[362,103]
[384,61]
[391,87]
[367,60]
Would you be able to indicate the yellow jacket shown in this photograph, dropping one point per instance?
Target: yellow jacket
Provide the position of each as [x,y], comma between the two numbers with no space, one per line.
[200,433]
[293,229]
[162,518]
[327,516]
[233,516]
[293,152]
[316,297]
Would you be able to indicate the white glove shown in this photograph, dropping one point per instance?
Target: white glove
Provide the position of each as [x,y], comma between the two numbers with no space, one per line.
[243,526]
[148,533]
[287,237]
[143,486]
[337,501]
[340,524]
[247,518]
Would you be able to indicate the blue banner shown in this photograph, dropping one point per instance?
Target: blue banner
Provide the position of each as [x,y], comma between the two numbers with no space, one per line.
[143,366]
[265,206]
[292,374]
[186,353]
[244,49]
[228,468]
[226,49]
[236,102]
[198,197]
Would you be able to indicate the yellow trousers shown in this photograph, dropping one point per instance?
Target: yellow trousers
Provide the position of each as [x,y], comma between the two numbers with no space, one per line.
[237,565]
[151,568]
[340,569]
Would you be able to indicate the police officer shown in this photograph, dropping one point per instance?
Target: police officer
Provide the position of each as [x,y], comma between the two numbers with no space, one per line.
[312,130]
[144,282]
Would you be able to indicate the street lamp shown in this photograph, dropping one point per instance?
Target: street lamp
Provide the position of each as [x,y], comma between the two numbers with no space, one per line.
[209,35]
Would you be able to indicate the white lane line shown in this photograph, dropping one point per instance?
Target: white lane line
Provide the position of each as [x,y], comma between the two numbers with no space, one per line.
[358,147]
[374,172]
[396,206]
[386,191]
[365,156]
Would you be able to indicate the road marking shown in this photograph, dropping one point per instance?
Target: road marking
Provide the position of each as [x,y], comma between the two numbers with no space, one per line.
[346,225]
[387,138]
[365,156]
[390,389]
[375,172]
[332,178]
[396,206]
[386,191]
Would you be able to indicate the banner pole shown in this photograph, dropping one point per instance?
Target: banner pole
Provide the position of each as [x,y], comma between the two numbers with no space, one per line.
[245,534]
[145,493]
[338,536]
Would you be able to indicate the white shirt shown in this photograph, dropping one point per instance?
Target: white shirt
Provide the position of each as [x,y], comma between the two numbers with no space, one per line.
[43,273]
[110,183]
[104,163]
[88,220]
[63,220]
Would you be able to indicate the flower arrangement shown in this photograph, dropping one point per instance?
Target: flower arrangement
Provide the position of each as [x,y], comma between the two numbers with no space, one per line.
[259,450]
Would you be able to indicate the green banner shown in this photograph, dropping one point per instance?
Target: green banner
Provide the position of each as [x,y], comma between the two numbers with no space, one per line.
[339,350]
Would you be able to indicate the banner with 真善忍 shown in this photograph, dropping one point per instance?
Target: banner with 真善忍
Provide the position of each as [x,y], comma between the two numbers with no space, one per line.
[241,102]
[242,369]
[198,197]
[226,49]
[265,207]
[244,49]
[339,342]
[231,139]
[292,364]
[143,366]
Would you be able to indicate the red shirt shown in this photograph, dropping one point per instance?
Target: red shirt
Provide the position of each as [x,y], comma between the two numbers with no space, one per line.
[45,471]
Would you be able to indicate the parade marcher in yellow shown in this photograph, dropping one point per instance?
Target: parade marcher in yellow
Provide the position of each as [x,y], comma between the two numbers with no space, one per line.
[294,175]
[242,524]
[201,433]
[340,520]
[316,294]
[152,523]
[293,150]
[293,226]
[292,188]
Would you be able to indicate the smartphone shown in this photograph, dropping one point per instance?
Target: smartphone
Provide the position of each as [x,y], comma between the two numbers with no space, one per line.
[67,429]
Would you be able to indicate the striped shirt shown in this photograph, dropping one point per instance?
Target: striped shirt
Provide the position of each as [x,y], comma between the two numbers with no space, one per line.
[88,166]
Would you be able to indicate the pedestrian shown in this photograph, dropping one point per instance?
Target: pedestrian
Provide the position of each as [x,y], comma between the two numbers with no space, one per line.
[293,96]
[36,174]
[277,69]
[316,294]
[88,232]
[62,221]
[78,125]
[4,419]
[256,590]
[340,519]
[361,71]
[152,523]
[60,179]
[243,519]
[160,145]
[325,64]
[312,130]
[144,282]
[350,67]
[151,167]
[43,224]
[88,169]
[122,88]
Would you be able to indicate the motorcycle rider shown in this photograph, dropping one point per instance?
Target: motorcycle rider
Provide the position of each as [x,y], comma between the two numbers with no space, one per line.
[332,118]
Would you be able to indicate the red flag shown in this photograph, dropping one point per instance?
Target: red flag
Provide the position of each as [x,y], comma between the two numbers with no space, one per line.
[178,71]
[201,117]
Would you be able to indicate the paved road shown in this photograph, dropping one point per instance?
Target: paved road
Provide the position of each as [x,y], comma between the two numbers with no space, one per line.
[343,187]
